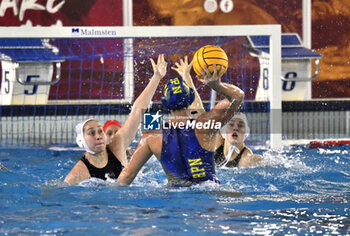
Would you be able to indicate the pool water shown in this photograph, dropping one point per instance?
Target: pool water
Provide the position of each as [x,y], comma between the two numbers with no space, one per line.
[295,192]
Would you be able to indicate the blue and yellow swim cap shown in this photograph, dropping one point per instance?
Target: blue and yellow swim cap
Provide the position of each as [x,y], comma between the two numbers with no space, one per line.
[177,94]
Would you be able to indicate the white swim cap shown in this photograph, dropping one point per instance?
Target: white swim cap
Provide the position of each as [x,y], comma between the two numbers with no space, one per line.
[79,129]
[237,115]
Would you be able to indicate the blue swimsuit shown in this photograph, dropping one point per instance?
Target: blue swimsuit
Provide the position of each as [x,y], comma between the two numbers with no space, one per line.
[183,159]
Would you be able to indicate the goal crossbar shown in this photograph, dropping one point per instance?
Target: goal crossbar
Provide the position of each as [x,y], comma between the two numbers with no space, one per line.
[127,32]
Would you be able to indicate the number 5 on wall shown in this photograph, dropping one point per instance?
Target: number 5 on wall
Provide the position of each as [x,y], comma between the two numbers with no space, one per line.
[6,82]
[35,86]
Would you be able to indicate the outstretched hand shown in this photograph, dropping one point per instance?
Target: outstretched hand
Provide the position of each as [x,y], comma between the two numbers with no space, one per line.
[183,68]
[159,69]
[211,79]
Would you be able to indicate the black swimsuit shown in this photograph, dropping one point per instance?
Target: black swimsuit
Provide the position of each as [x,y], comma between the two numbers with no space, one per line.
[112,169]
[220,158]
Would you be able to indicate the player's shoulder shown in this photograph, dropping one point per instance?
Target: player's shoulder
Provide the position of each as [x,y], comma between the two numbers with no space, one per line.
[248,151]
[152,133]
[152,136]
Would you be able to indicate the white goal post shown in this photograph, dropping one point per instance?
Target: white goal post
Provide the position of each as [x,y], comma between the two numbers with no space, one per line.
[127,32]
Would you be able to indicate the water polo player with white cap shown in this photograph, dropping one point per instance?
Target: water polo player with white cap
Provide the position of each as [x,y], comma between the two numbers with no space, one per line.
[185,147]
[232,152]
[97,161]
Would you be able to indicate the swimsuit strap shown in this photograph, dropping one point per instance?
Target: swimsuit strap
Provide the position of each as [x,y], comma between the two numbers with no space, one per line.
[234,163]
[87,164]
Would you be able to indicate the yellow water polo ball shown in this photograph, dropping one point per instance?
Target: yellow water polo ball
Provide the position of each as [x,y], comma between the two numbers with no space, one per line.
[210,55]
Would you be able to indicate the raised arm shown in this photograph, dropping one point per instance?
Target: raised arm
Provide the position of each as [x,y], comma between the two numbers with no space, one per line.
[225,109]
[127,132]
[183,68]
[229,91]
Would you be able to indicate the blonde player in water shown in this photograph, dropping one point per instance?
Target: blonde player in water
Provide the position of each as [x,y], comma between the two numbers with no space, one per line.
[97,161]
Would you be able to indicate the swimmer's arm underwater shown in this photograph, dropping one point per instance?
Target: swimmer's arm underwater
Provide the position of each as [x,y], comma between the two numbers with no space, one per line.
[127,132]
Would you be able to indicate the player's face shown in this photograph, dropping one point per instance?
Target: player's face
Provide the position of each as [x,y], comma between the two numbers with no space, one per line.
[110,132]
[235,131]
[94,136]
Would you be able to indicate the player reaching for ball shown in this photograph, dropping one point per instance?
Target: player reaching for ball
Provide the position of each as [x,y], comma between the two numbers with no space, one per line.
[230,150]
[186,152]
[100,162]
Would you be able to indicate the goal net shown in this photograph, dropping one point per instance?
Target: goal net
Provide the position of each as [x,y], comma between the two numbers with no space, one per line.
[55,77]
